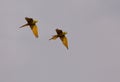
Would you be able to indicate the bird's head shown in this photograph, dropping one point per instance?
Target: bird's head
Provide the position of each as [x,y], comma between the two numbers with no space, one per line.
[64,33]
[35,21]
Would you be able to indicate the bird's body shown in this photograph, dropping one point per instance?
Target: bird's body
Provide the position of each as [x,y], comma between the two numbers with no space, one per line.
[62,37]
[32,24]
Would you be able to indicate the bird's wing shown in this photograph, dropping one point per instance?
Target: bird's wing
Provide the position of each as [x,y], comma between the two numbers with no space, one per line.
[24,25]
[54,37]
[34,29]
[29,20]
[64,41]
[59,31]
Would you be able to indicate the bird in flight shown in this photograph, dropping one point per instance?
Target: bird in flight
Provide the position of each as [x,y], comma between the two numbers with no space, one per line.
[62,37]
[32,24]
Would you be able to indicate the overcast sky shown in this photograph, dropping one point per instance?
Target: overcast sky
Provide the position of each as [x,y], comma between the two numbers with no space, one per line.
[93,28]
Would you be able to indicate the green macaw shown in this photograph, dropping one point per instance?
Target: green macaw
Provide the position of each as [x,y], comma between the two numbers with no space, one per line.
[62,37]
[32,24]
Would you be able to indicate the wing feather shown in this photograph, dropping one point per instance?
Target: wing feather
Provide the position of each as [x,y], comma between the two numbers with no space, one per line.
[54,37]
[23,25]
[59,32]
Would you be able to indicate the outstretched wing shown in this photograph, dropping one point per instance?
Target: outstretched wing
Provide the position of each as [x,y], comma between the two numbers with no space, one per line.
[54,37]
[29,20]
[64,41]
[24,25]
[59,32]
[34,29]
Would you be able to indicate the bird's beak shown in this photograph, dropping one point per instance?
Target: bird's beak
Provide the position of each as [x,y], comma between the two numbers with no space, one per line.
[36,21]
[65,32]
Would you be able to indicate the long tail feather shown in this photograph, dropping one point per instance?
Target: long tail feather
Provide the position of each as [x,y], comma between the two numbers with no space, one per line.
[64,41]
[34,29]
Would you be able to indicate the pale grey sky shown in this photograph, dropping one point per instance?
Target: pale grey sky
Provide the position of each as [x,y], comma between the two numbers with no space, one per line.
[93,28]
